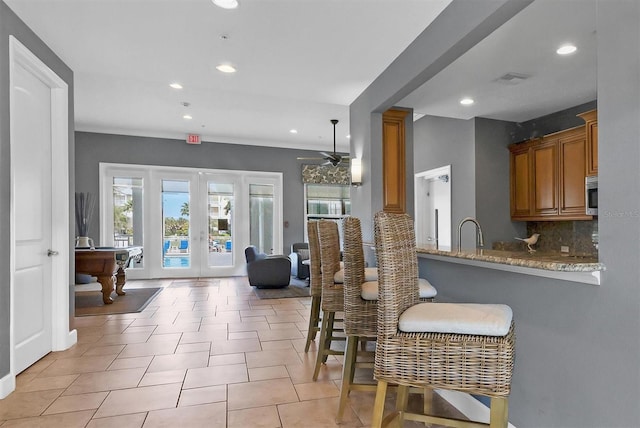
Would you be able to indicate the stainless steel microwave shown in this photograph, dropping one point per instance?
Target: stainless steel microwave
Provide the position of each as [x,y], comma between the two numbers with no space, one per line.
[591,195]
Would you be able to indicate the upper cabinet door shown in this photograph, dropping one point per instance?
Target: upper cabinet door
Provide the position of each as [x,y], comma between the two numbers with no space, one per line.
[520,181]
[393,161]
[573,157]
[591,128]
[545,178]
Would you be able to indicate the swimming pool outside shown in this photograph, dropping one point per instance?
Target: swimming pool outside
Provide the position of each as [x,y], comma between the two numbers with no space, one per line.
[183,261]
[177,261]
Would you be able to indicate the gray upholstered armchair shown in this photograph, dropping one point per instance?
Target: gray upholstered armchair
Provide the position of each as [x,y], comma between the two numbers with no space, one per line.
[267,271]
[299,253]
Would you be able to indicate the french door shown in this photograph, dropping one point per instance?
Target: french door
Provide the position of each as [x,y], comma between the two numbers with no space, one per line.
[190,222]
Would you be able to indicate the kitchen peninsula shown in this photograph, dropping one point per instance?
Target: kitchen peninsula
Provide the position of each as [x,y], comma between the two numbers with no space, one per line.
[577,268]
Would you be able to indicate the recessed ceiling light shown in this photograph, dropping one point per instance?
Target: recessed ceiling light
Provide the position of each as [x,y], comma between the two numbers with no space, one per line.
[226,4]
[187,117]
[226,68]
[349,136]
[467,101]
[176,85]
[566,49]
[293,131]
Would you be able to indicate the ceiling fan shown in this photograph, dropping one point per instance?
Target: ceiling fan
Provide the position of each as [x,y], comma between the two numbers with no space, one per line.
[331,158]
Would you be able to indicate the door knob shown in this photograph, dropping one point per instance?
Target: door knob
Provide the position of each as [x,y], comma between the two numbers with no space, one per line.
[50,253]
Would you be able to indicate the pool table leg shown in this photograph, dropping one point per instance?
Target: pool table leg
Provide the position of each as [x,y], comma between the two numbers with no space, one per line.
[107,283]
[120,279]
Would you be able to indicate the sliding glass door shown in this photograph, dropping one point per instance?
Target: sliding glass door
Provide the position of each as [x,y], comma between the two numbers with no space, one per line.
[197,222]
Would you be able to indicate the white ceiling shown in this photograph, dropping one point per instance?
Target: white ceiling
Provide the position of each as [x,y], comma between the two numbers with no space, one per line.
[300,63]
[526,46]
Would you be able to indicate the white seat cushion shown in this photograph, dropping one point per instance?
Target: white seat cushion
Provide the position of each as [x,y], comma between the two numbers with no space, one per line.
[427,291]
[457,318]
[370,274]
[370,290]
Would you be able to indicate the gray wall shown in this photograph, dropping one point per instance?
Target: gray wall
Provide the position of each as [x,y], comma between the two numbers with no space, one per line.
[409,155]
[578,345]
[614,347]
[10,24]
[551,123]
[492,181]
[458,28]
[92,148]
[565,349]
[440,141]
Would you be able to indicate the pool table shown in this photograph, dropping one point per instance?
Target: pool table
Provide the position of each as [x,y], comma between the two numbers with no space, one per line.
[108,264]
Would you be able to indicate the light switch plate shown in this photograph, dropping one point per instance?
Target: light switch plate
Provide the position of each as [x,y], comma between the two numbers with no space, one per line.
[564,249]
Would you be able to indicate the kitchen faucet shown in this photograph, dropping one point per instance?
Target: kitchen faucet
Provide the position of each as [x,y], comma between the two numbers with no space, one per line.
[479,238]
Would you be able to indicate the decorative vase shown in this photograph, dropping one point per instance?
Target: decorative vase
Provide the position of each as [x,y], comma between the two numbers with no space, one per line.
[84,242]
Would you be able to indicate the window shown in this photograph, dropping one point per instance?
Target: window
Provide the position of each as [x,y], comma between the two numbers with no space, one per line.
[326,201]
[261,198]
[128,206]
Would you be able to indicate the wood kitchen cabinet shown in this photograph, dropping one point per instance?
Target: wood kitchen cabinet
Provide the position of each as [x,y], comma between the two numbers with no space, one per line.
[547,177]
[544,182]
[591,129]
[520,180]
[572,146]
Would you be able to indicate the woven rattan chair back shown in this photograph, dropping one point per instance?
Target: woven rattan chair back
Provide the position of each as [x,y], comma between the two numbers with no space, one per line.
[315,283]
[360,316]
[332,293]
[397,269]
[315,274]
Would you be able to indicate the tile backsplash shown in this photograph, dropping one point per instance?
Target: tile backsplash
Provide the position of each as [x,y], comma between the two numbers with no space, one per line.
[580,236]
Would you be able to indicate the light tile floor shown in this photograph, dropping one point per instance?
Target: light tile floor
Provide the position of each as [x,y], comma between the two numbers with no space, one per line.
[204,352]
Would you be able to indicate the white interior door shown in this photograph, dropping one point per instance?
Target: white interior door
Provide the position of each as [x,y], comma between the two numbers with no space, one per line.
[31,156]
[39,214]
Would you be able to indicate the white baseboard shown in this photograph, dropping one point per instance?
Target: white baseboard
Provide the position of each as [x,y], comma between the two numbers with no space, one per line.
[7,385]
[66,341]
[467,405]
[72,338]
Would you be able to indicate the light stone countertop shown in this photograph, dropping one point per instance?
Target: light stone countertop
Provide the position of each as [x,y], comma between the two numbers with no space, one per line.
[537,260]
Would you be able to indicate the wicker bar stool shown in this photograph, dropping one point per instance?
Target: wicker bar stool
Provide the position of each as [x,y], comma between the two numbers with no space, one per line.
[360,315]
[361,306]
[315,283]
[332,292]
[462,347]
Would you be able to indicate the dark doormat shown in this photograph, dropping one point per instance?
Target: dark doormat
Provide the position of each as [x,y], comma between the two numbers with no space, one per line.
[296,288]
[90,302]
